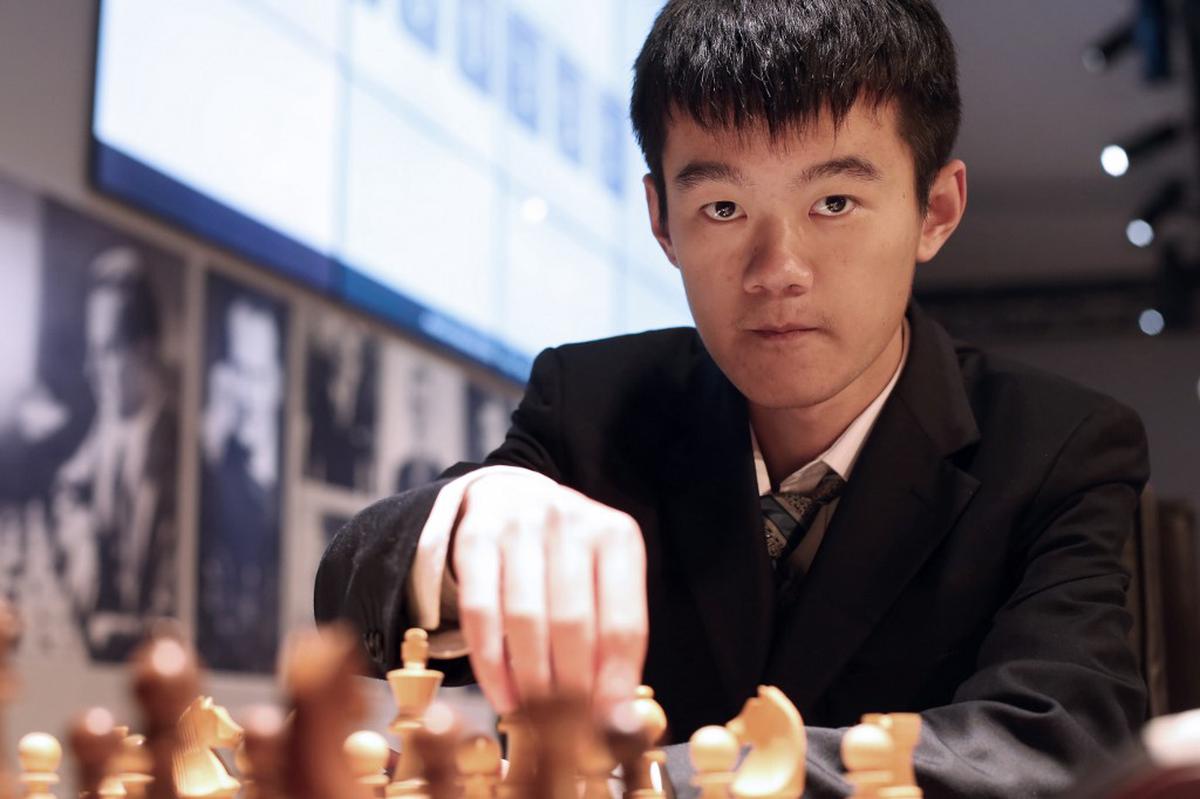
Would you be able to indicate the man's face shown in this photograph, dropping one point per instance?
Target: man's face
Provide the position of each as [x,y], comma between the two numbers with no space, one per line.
[797,254]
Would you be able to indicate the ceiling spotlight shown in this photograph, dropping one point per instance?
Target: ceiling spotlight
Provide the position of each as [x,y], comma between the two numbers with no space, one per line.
[1140,230]
[1152,322]
[1116,158]
[1101,55]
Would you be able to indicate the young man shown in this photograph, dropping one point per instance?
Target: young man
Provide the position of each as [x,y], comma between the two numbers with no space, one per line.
[815,488]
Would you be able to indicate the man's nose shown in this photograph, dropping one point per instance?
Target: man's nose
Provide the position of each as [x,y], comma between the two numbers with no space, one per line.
[780,263]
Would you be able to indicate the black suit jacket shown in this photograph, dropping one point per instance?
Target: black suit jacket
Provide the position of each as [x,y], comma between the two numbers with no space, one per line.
[971,570]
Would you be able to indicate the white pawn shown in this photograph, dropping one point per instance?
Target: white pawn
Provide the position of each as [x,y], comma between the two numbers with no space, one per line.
[478,759]
[868,753]
[714,754]
[40,755]
[367,753]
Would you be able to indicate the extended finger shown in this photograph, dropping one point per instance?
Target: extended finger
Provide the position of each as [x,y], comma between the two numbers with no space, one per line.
[570,582]
[622,618]
[477,563]
[523,602]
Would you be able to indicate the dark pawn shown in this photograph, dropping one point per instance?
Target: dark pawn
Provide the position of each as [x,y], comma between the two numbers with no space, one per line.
[166,678]
[95,742]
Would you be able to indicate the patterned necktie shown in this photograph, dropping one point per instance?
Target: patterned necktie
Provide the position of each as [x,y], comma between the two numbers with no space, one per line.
[787,515]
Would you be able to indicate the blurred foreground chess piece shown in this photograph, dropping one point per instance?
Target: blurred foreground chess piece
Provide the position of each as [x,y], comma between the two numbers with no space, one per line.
[198,772]
[165,680]
[905,729]
[633,731]
[95,742]
[132,764]
[479,766]
[596,765]
[320,669]
[413,688]
[714,754]
[521,751]
[40,755]
[559,727]
[771,726]
[11,629]
[436,743]
[868,753]
[1167,766]
[367,753]
[260,757]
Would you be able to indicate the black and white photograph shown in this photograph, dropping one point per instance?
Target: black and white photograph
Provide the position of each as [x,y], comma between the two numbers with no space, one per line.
[421,425]
[487,418]
[340,401]
[241,459]
[89,426]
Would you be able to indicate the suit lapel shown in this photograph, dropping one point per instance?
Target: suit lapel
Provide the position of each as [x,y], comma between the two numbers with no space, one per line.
[903,497]
[711,524]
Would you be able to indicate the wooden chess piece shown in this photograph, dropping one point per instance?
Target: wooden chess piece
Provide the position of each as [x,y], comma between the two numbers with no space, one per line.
[260,757]
[868,753]
[714,755]
[94,742]
[558,725]
[40,755]
[521,749]
[596,765]
[367,752]
[632,730]
[771,726]
[478,760]
[413,688]
[320,673]
[133,764]
[11,629]
[437,746]
[905,729]
[198,772]
[165,679]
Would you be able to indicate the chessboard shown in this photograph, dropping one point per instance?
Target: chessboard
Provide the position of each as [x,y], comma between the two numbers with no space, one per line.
[188,746]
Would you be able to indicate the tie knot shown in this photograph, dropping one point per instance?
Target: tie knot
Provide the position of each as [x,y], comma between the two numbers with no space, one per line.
[787,515]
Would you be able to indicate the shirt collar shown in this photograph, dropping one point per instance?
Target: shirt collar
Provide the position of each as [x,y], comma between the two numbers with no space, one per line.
[842,453]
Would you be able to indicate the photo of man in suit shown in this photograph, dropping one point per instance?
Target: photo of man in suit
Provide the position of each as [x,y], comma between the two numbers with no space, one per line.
[816,487]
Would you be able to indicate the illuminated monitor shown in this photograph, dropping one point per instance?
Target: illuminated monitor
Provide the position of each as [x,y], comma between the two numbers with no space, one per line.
[463,168]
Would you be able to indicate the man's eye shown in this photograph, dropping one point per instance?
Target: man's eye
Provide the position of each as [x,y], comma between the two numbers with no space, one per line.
[722,210]
[834,205]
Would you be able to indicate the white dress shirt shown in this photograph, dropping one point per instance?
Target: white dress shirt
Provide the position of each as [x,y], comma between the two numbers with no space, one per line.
[433,592]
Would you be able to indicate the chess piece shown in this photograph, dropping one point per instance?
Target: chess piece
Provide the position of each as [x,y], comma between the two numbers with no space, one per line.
[367,753]
[40,755]
[94,743]
[596,765]
[133,765]
[771,726]
[320,670]
[437,745]
[413,688]
[11,629]
[260,757]
[714,754]
[558,725]
[868,753]
[478,759]
[905,729]
[632,731]
[521,750]
[198,772]
[165,679]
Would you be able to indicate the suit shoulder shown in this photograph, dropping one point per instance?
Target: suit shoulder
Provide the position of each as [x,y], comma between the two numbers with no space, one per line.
[1004,388]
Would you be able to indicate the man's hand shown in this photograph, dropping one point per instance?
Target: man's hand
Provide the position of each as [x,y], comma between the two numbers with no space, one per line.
[552,592]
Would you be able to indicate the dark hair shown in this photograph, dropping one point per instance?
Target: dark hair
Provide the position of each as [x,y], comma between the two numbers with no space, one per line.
[735,63]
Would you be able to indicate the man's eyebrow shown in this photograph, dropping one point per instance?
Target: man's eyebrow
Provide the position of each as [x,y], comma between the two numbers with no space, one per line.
[851,166]
[697,172]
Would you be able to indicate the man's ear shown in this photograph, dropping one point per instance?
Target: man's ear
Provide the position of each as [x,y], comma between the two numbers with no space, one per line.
[658,224]
[947,203]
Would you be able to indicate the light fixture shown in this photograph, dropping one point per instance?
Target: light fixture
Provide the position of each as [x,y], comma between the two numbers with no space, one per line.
[1116,158]
[1152,322]
[1169,198]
